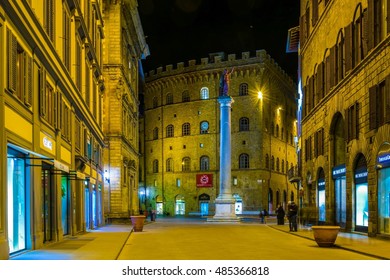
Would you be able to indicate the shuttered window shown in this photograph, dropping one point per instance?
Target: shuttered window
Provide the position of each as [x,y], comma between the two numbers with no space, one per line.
[49,18]
[314,12]
[308,148]
[77,135]
[320,81]
[20,71]
[352,122]
[319,143]
[379,98]
[66,45]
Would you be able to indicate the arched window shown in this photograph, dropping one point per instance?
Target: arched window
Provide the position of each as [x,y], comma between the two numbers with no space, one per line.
[244,161]
[155,166]
[267,161]
[277,131]
[169,166]
[277,165]
[204,93]
[282,133]
[155,102]
[282,165]
[243,89]
[169,98]
[186,164]
[340,58]
[244,124]
[358,48]
[272,163]
[170,130]
[186,129]
[204,163]
[155,133]
[185,97]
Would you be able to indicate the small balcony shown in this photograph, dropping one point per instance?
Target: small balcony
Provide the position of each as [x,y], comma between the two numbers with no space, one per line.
[294,174]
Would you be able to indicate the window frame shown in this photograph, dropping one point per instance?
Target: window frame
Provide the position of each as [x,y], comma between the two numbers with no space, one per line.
[243,161]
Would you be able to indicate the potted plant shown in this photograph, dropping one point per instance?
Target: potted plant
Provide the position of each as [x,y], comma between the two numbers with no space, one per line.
[325,236]
[137,222]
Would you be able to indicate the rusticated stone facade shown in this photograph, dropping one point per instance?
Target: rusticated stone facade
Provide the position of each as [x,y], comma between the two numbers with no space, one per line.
[180,127]
[124,46]
[345,77]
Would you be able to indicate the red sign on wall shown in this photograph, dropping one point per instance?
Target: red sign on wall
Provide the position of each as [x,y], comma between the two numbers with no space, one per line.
[204,180]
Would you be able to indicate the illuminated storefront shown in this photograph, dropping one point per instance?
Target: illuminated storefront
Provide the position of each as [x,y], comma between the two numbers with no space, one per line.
[361,199]
[383,165]
[321,197]
[340,195]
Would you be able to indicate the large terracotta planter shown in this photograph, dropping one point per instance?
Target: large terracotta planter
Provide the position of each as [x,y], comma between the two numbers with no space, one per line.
[137,222]
[325,236]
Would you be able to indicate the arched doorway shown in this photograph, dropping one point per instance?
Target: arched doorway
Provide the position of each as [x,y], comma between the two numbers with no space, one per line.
[361,194]
[339,171]
[204,200]
[180,205]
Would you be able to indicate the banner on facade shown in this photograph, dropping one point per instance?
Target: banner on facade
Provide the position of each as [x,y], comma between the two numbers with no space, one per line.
[204,180]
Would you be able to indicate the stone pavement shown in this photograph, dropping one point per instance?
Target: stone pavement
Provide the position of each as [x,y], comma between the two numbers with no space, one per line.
[196,239]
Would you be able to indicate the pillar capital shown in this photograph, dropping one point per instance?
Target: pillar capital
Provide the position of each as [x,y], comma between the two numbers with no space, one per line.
[225,100]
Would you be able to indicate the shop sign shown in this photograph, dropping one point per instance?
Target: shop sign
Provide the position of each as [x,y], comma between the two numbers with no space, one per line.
[204,180]
[60,166]
[384,160]
[339,171]
[321,184]
[361,175]
[80,175]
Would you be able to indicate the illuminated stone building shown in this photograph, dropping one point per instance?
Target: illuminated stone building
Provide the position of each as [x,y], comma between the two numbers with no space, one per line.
[180,128]
[124,46]
[345,80]
[51,121]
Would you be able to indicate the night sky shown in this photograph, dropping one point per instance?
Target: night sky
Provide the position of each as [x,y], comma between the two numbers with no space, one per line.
[181,30]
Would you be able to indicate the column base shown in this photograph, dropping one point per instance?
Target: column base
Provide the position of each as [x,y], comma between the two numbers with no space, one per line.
[224,212]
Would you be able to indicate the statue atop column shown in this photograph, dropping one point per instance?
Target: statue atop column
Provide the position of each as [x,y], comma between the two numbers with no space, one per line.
[224,82]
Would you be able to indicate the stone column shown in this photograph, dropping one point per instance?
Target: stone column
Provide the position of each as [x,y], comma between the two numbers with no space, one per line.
[225,203]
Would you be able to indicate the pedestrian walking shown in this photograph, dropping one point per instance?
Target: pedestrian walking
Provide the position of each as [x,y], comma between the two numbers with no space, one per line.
[262,215]
[280,214]
[292,215]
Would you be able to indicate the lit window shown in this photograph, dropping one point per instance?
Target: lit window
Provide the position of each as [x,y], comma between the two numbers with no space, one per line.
[204,127]
[204,93]
[186,164]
